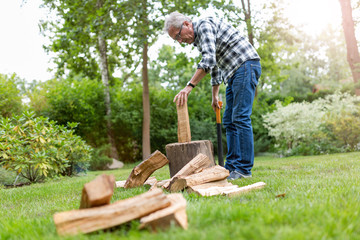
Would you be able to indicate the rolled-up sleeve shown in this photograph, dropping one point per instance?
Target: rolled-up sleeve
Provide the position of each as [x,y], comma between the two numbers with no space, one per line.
[216,77]
[207,33]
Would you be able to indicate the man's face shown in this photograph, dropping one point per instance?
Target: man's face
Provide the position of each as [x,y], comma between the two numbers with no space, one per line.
[184,34]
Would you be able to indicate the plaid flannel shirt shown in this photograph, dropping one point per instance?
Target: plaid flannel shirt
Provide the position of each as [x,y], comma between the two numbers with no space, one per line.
[222,47]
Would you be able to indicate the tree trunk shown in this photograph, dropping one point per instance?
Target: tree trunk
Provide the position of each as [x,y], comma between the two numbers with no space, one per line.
[105,76]
[249,27]
[351,43]
[146,150]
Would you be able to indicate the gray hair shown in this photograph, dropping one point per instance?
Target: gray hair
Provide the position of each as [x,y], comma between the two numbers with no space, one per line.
[175,19]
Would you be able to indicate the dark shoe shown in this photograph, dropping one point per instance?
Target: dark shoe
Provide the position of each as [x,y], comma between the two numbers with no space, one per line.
[236,175]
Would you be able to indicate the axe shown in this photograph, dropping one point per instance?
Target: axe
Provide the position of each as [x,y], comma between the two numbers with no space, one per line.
[219,135]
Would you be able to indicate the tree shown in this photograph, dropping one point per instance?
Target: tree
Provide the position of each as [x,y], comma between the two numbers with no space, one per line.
[128,28]
[10,95]
[81,38]
[353,56]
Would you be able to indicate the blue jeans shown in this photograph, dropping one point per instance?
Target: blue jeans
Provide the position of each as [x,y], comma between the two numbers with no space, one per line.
[240,94]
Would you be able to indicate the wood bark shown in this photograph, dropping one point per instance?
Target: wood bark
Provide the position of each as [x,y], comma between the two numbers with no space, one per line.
[197,164]
[184,133]
[179,154]
[164,218]
[105,76]
[97,218]
[353,56]
[143,171]
[98,192]
[211,174]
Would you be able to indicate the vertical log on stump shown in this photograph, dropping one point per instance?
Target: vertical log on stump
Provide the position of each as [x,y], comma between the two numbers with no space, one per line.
[184,134]
[179,154]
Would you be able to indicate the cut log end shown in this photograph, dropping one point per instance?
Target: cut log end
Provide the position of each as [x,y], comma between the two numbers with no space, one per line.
[175,214]
[98,192]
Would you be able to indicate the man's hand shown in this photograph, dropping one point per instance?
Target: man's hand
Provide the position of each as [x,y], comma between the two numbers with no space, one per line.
[215,103]
[215,97]
[182,96]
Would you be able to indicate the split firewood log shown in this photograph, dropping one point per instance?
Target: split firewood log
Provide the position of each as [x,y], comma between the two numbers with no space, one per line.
[211,174]
[98,192]
[164,218]
[143,171]
[197,164]
[241,190]
[97,218]
[229,190]
[150,181]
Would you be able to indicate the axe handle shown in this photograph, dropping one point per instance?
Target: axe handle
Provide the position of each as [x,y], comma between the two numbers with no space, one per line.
[218,113]
[219,135]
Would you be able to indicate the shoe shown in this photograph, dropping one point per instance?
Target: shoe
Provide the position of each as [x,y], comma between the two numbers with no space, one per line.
[236,175]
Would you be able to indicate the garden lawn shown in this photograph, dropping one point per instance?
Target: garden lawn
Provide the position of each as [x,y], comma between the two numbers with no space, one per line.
[322,201]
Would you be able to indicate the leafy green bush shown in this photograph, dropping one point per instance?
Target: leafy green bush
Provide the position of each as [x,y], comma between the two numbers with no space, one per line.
[326,125]
[99,158]
[344,129]
[38,148]
[10,98]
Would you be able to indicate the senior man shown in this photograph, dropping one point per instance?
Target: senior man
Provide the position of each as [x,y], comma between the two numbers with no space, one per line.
[231,59]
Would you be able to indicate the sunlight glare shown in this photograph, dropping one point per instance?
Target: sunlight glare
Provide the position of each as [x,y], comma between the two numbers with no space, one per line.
[314,15]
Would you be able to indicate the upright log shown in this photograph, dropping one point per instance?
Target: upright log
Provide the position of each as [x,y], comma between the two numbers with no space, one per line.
[97,218]
[211,174]
[179,154]
[184,133]
[98,192]
[198,163]
[142,172]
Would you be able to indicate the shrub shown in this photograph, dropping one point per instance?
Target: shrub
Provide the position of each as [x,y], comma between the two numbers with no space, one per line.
[38,148]
[326,125]
[99,158]
[344,130]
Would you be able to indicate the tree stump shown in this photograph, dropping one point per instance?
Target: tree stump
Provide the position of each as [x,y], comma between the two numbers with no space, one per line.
[179,154]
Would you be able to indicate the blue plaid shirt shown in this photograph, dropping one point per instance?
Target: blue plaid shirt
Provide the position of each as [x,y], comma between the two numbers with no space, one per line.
[222,47]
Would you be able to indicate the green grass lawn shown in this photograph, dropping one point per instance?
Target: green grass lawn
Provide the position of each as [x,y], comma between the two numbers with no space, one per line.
[322,201]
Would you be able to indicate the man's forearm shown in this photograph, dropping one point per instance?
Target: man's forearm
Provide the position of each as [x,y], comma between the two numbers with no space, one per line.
[215,91]
[199,74]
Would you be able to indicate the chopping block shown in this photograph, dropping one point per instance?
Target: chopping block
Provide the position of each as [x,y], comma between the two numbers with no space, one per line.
[182,152]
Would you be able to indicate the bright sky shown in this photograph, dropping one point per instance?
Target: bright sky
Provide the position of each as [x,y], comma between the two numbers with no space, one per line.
[21,43]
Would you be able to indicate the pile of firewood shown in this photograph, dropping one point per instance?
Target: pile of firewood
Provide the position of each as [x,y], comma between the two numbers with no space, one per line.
[154,208]
[198,176]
